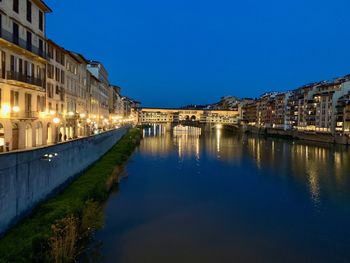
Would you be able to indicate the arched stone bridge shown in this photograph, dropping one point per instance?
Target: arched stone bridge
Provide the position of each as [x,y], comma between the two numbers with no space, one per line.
[190,117]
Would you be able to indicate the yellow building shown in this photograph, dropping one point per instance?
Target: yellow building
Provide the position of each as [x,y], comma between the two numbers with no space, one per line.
[23,118]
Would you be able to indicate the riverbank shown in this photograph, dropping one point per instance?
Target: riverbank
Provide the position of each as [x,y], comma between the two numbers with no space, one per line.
[299,135]
[52,232]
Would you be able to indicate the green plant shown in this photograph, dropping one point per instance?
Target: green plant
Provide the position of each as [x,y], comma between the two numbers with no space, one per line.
[29,240]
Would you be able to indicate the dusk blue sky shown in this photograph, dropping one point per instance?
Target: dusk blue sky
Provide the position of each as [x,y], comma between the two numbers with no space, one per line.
[173,53]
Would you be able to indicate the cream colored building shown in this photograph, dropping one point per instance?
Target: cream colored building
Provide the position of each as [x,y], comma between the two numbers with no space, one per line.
[94,119]
[100,92]
[55,89]
[23,118]
[70,129]
[325,102]
[82,94]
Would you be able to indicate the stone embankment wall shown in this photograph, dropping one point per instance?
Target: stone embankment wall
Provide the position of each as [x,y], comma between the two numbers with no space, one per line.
[29,177]
[318,137]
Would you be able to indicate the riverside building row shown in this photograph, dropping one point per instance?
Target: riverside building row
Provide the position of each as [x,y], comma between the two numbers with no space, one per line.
[319,108]
[47,93]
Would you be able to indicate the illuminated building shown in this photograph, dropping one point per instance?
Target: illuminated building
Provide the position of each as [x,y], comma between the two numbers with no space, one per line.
[23,59]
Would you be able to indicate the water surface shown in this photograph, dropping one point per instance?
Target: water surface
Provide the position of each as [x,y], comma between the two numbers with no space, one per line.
[228,198]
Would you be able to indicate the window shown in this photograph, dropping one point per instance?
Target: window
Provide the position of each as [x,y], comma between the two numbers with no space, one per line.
[38,103]
[49,90]
[62,59]
[29,11]
[50,51]
[3,64]
[43,103]
[26,68]
[15,6]
[29,40]
[38,72]
[14,95]
[41,47]
[13,63]
[57,89]
[62,76]
[15,33]
[58,56]
[20,66]
[41,20]
[57,74]
[50,71]
[31,70]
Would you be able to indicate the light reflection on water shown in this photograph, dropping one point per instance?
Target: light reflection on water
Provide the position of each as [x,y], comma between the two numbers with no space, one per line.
[254,199]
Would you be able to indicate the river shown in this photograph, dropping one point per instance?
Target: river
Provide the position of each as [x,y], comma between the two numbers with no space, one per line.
[222,197]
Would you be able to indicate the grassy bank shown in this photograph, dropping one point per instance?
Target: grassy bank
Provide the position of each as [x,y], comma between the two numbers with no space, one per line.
[56,226]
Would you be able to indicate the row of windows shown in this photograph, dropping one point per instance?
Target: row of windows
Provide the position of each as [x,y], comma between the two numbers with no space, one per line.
[19,65]
[51,89]
[55,73]
[29,38]
[59,55]
[72,68]
[56,108]
[15,8]
[14,101]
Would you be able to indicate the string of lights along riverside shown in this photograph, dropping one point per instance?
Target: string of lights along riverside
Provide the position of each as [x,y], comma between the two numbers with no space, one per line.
[221,197]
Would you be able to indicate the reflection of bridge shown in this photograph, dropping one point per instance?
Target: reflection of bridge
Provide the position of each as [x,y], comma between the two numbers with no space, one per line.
[190,117]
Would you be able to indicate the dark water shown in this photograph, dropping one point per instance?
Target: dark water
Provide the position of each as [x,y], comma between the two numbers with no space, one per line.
[229,198]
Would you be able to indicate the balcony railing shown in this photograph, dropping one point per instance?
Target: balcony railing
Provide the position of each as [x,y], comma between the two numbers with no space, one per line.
[12,75]
[25,115]
[22,43]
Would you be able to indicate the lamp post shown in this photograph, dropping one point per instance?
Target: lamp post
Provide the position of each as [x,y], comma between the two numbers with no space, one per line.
[56,121]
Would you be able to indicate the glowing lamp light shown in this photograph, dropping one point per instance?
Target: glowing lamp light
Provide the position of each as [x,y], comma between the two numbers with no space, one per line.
[15,109]
[82,115]
[5,109]
[52,112]
[88,121]
[70,113]
[56,120]
[219,126]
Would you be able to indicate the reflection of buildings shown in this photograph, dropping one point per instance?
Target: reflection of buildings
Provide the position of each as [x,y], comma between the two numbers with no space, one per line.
[323,170]
[187,145]
[318,167]
[156,141]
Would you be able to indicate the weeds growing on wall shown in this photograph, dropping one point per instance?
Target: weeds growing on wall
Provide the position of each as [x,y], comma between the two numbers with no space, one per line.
[53,232]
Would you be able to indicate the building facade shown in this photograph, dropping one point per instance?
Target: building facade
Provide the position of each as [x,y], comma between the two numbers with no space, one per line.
[47,93]
[23,113]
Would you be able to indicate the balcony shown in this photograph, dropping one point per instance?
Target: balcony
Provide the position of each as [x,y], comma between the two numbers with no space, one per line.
[26,115]
[12,75]
[10,37]
[72,116]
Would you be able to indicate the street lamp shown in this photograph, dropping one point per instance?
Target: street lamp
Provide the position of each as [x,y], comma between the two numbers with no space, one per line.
[56,120]
[15,109]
